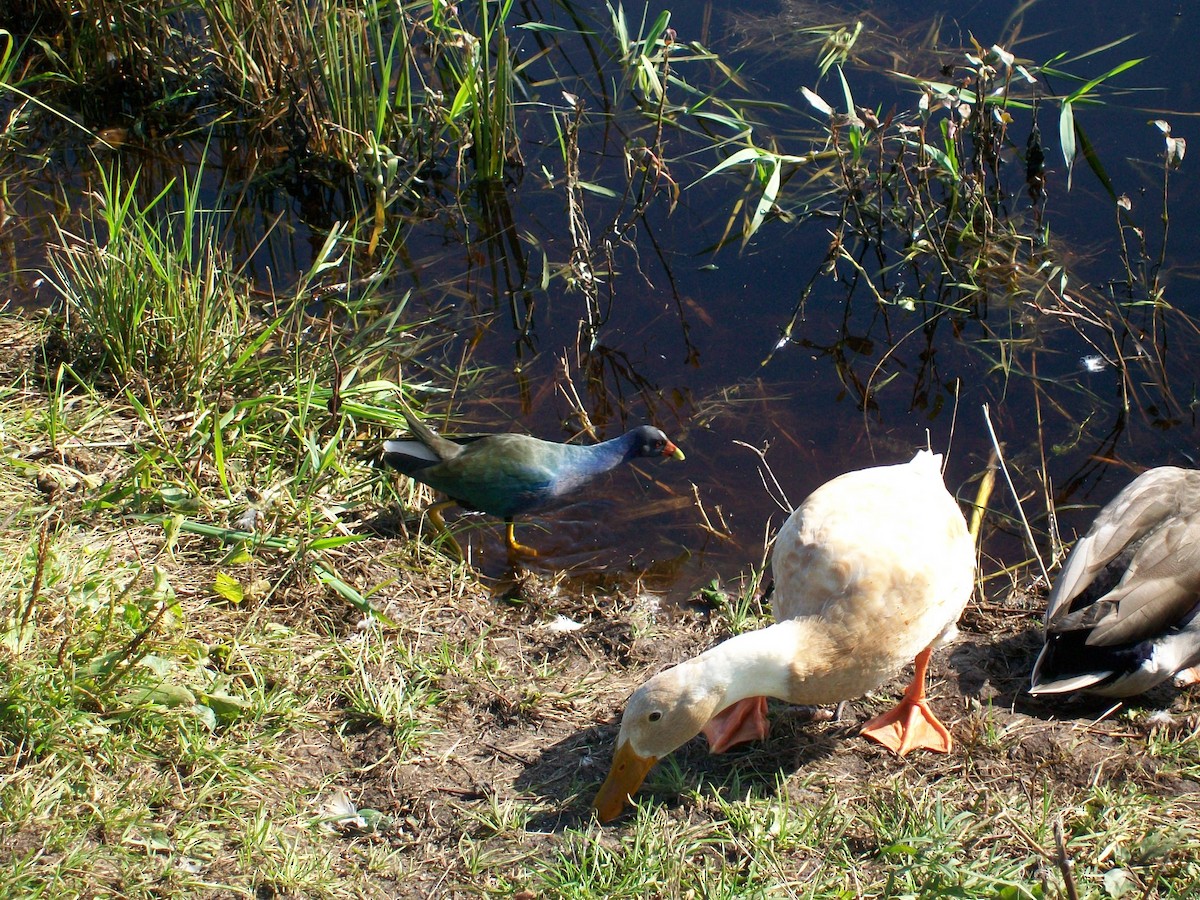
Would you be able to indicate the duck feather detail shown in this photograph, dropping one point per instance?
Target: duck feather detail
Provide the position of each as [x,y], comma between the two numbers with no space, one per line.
[1122,615]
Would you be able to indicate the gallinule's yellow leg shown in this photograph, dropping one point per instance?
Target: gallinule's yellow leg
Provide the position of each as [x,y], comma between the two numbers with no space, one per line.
[439,525]
[515,548]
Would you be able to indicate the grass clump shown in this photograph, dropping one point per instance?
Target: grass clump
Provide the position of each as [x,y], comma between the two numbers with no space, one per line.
[151,299]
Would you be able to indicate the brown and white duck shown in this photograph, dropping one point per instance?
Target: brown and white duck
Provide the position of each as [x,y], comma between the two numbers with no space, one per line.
[871,571]
[1124,613]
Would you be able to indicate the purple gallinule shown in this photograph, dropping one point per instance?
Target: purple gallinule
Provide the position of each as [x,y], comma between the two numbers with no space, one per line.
[872,570]
[1124,613]
[505,475]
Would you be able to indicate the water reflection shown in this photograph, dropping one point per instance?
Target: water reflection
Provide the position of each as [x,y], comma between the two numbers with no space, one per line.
[759,343]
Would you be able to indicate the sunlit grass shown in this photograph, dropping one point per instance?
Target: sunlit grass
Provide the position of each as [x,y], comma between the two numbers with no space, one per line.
[150,298]
[907,839]
[146,686]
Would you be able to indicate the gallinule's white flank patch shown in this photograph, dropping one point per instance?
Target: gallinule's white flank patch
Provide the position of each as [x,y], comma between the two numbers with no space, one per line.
[505,475]
[1124,613]
[872,570]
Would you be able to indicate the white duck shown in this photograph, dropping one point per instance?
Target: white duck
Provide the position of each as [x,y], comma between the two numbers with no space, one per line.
[1124,614]
[872,570]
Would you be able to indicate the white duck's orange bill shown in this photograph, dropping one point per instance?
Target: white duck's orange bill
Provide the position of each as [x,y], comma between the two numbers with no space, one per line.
[624,778]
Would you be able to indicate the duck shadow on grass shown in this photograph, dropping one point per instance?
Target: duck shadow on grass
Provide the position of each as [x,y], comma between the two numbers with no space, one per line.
[997,671]
[577,765]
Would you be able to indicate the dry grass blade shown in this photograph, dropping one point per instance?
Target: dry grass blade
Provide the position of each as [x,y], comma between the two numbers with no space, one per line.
[1016,497]
[1063,861]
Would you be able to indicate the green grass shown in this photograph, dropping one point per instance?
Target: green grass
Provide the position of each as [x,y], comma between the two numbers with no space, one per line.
[147,706]
[822,837]
[150,298]
[898,841]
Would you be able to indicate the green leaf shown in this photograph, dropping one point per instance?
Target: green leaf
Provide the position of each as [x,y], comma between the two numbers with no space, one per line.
[745,155]
[178,499]
[733,123]
[1119,882]
[656,30]
[767,201]
[939,156]
[650,75]
[541,26]
[846,93]
[337,540]
[461,100]
[226,706]
[162,694]
[1087,88]
[238,555]
[816,101]
[171,528]
[349,593]
[229,588]
[1088,150]
[218,447]
[599,190]
[374,820]
[159,665]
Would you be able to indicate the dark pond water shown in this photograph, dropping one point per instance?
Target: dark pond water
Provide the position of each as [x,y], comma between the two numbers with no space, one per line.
[692,337]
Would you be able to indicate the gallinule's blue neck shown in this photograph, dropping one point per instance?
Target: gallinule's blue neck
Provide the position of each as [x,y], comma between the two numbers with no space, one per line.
[578,464]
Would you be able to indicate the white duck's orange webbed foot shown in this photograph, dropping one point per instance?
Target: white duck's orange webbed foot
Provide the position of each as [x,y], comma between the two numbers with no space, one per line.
[740,723]
[910,725]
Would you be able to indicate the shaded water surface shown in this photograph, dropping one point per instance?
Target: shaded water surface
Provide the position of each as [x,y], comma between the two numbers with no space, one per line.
[691,335]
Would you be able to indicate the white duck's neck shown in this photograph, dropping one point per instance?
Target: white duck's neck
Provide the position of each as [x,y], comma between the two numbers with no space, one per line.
[770,662]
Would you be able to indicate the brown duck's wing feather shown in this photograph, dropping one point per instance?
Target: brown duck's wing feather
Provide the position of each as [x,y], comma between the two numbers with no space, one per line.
[1155,521]
[1160,588]
[1129,517]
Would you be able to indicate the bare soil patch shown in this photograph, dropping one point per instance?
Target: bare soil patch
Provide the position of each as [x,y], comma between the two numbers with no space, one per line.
[538,730]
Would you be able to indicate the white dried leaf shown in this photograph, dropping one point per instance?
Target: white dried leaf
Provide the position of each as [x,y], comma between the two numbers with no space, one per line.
[817,103]
[1176,148]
